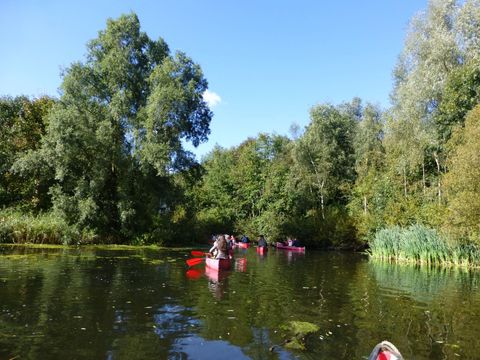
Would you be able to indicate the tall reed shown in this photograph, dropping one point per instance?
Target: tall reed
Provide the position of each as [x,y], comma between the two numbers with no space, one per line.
[422,245]
[20,228]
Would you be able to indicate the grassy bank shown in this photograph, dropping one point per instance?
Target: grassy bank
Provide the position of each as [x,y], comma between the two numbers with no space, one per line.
[19,228]
[419,244]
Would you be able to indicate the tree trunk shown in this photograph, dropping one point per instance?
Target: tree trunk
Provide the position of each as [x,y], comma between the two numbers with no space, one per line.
[365,205]
[423,177]
[322,205]
[321,184]
[439,173]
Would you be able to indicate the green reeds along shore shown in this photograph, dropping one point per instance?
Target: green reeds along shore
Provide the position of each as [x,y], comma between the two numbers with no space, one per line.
[422,245]
[19,228]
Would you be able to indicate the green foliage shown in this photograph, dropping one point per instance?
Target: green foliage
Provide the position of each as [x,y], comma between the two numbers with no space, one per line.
[461,94]
[436,83]
[245,189]
[324,155]
[20,228]
[23,123]
[114,139]
[108,156]
[462,181]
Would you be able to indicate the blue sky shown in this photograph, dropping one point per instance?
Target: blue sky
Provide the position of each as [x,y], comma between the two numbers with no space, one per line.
[268,62]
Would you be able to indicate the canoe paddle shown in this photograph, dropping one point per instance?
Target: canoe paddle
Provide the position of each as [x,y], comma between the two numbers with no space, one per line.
[198,253]
[196,261]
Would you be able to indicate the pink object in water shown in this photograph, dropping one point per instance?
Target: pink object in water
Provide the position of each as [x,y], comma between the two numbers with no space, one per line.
[291,248]
[262,250]
[218,264]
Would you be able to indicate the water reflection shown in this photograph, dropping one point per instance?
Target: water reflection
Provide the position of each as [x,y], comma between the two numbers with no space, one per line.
[194,274]
[291,255]
[171,319]
[217,282]
[137,304]
[241,264]
[195,347]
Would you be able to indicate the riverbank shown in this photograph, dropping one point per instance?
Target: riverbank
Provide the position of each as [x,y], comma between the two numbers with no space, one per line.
[45,228]
[422,245]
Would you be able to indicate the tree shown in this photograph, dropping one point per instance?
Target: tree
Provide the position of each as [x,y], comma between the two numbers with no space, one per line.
[115,136]
[460,95]
[214,195]
[324,155]
[369,166]
[462,182]
[23,123]
[439,42]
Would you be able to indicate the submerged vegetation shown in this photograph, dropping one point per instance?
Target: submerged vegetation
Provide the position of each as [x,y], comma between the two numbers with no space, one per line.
[105,162]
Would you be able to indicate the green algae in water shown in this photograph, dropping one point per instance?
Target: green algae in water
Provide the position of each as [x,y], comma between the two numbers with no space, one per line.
[297,330]
[300,328]
[18,256]
[154,262]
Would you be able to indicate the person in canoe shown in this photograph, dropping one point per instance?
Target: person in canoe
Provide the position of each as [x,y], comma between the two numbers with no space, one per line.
[262,242]
[219,250]
[230,243]
[245,239]
[385,351]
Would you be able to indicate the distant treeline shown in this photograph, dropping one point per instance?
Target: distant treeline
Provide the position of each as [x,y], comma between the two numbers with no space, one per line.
[106,158]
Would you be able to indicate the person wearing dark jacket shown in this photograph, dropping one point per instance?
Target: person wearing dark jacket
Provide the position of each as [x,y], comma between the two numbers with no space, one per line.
[262,242]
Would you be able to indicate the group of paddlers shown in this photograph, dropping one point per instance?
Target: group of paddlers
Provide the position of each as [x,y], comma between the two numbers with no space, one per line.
[224,243]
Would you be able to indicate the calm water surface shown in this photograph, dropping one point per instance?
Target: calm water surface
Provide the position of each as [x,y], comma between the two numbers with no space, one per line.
[92,303]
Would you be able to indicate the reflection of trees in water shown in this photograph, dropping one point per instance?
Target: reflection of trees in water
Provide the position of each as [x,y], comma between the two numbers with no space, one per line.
[121,303]
[423,283]
[428,312]
[66,303]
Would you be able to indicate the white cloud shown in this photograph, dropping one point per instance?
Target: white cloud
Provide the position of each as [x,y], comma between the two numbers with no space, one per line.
[212,99]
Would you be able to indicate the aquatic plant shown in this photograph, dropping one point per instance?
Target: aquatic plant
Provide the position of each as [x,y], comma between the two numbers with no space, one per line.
[297,331]
[422,245]
[20,228]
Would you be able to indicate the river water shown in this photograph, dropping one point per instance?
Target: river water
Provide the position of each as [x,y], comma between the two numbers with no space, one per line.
[98,303]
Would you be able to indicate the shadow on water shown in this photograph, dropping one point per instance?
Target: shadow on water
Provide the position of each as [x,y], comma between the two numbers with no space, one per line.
[117,304]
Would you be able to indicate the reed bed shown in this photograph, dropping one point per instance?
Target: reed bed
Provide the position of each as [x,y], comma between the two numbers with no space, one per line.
[19,228]
[422,245]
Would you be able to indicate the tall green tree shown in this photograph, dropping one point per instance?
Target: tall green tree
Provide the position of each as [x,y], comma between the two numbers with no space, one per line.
[460,95]
[324,155]
[439,42]
[115,136]
[23,123]
[369,166]
[214,195]
[462,182]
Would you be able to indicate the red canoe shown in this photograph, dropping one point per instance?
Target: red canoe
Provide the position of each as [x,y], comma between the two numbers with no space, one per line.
[262,250]
[291,248]
[218,264]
